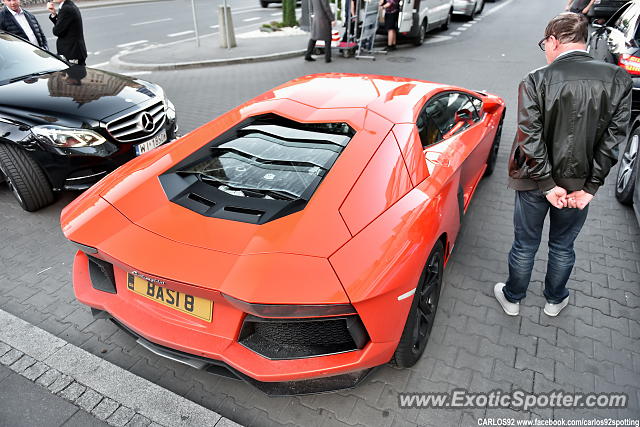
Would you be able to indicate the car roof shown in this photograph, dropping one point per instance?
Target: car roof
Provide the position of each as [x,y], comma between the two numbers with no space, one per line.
[397,99]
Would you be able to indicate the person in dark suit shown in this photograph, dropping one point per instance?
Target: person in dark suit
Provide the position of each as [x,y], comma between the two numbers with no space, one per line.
[67,26]
[323,20]
[19,22]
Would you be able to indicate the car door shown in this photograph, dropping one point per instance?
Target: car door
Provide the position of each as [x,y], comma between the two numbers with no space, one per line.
[604,39]
[622,32]
[451,130]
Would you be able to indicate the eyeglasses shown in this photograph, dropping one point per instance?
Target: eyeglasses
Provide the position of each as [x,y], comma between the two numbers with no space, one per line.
[542,42]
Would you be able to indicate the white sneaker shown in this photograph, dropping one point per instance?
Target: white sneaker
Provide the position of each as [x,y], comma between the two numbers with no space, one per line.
[554,309]
[511,308]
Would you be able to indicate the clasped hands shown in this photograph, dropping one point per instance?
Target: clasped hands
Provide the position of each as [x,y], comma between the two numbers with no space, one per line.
[559,198]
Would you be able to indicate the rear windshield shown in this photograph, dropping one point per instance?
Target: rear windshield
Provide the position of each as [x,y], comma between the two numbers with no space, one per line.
[273,158]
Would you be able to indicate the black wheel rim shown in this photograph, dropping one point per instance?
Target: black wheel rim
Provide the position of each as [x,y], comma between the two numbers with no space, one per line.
[496,142]
[629,158]
[428,295]
[422,34]
[12,187]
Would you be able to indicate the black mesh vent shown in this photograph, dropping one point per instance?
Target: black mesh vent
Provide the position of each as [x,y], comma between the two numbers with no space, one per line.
[101,273]
[292,339]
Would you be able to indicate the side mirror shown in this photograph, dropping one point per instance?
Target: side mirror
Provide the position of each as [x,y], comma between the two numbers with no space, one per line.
[491,105]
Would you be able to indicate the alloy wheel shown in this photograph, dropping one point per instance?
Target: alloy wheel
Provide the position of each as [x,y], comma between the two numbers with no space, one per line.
[428,296]
[627,164]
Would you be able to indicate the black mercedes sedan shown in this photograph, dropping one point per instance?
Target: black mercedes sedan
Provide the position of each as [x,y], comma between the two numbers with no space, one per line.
[64,126]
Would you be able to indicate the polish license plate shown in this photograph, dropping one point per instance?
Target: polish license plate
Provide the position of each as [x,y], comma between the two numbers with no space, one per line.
[154,142]
[188,304]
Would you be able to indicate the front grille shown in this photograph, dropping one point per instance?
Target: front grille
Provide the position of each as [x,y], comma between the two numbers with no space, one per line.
[101,274]
[292,339]
[128,128]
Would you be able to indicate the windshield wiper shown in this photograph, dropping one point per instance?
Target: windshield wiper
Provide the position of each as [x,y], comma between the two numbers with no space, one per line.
[26,76]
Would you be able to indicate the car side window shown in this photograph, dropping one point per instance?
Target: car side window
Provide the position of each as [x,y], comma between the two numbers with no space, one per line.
[445,116]
[627,19]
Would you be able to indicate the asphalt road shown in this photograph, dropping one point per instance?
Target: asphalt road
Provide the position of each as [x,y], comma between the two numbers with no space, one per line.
[113,29]
[591,346]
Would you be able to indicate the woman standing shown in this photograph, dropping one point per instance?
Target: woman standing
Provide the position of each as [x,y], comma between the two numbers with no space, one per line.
[391,10]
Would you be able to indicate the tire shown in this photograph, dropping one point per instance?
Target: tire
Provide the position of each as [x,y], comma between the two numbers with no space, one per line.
[495,147]
[472,15]
[422,313]
[628,169]
[422,33]
[264,3]
[25,178]
[479,12]
[445,24]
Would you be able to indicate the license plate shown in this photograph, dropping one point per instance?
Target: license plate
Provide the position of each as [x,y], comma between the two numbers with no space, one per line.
[189,304]
[154,142]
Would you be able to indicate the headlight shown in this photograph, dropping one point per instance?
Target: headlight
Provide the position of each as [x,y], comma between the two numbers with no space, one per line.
[59,136]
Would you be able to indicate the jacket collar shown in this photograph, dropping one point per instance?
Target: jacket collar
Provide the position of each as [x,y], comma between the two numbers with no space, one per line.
[573,55]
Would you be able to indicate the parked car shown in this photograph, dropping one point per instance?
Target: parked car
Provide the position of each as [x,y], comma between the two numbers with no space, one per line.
[618,42]
[266,3]
[468,8]
[298,240]
[605,9]
[418,17]
[65,126]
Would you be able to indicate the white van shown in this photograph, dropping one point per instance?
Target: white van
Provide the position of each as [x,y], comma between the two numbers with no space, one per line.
[418,17]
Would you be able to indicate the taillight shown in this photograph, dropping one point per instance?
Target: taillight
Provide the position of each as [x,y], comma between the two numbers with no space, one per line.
[630,63]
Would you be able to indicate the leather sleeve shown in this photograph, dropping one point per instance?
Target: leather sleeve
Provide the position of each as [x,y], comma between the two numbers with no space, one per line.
[529,138]
[606,150]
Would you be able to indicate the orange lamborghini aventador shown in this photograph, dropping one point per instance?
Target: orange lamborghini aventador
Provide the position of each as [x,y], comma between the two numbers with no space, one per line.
[296,241]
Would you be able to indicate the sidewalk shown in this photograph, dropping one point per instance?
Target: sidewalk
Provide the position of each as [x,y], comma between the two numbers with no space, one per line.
[47,381]
[254,46]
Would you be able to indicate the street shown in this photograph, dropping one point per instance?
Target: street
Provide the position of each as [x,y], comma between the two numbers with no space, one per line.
[591,347]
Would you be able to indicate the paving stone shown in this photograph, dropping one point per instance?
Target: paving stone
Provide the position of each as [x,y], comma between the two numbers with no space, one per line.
[459,377]
[440,418]
[564,355]
[35,370]
[601,334]
[529,328]
[10,357]
[89,400]
[582,381]
[582,344]
[600,304]
[470,310]
[599,368]
[22,364]
[521,379]
[504,353]
[619,324]
[537,364]
[625,376]
[482,365]
[619,310]
[4,348]
[48,377]
[122,416]
[622,342]
[105,408]
[72,391]
[525,343]
[369,416]
[139,421]
[480,383]
[60,383]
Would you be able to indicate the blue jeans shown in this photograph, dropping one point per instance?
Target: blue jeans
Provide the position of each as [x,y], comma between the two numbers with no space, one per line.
[530,211]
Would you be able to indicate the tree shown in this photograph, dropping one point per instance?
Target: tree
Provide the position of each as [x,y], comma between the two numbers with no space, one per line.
[289,13]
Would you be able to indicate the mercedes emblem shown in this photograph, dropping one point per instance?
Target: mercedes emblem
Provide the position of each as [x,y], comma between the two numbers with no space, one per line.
[145,121]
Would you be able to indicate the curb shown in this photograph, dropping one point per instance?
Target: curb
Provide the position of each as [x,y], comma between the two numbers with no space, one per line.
[104,390]
[117,61]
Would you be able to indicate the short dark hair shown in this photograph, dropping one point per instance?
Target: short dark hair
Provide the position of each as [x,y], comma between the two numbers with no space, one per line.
[568,27]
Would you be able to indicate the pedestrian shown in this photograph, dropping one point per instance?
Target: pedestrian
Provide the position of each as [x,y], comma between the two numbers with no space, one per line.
[323,20]
[579,6]
[17,21]
[391,9]
[67,26]
[572,114]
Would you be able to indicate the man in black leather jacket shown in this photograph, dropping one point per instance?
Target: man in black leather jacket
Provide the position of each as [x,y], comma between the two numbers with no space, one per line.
[572,114]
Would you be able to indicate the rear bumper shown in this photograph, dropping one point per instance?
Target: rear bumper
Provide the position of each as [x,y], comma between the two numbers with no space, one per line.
[463,7]
[217,342]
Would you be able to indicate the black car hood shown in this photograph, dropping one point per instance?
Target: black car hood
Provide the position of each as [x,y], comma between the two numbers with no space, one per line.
[75,95]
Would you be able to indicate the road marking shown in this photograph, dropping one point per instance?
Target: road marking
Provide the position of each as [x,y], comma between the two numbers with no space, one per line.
[102,64]
[152,22]
[182,33]
[72,364]
[497,8]
[46,269]
[102,16]
[467,25]
[137,73]
[455,33]
[133,43]
[461,29]
[251,19]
